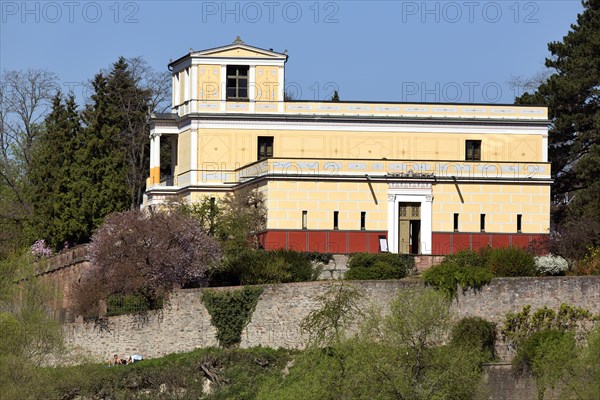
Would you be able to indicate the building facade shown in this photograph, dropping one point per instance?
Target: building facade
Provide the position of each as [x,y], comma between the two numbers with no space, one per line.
[343,177]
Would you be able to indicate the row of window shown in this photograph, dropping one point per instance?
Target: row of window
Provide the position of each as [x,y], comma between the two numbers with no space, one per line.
[265,149]
[482,223]
[336,220]
[363,219]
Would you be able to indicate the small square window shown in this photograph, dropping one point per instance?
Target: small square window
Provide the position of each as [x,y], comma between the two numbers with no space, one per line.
[265,147]
[237,82]
[473,150]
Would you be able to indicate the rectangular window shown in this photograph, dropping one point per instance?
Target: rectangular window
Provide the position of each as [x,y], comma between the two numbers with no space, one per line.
[304,219]
[473,150]
[363,220]
[455,222]
[336,219]
[237,82]
[519,223]
[482,222]
[265,147]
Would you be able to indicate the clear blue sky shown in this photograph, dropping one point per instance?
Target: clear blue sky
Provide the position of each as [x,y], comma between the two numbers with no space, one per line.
[461,50]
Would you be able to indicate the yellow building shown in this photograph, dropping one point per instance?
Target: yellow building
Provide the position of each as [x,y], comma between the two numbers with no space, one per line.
[343,177]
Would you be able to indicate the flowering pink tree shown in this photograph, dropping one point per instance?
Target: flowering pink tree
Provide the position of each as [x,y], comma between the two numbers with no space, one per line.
[136,252]
[40,249]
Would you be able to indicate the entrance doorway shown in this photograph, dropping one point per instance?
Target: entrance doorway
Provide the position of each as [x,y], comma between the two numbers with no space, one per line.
[409,224]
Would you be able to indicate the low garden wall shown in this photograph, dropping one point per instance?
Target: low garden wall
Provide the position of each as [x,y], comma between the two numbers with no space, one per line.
[184,324]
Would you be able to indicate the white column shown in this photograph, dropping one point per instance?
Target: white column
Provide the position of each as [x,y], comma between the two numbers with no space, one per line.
[194,80]
[392,224]
[426,240]
[223,88]
[156,151]
[251,87]
[545,148]
[173,92]
[186,90]
[176,96]
[193,157]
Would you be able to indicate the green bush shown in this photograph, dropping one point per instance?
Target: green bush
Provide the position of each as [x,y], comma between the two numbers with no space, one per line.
[448,276]
[468,258]
[378,266]
[239,375]
[475,332]
[517,327]
[297,263]
[540,345]
[511,261]
[119,304]
[257,267]
[230,311]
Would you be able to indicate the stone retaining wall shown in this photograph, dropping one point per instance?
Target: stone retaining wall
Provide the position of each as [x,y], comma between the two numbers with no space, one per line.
[184,324]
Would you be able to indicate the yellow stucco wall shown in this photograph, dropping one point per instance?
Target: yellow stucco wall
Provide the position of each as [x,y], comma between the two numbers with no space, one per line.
[238,147]
[183,151]
[209,82]
[501,203]
[267,84]
[287,200]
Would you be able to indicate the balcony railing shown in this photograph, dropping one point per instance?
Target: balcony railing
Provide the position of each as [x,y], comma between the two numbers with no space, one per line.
[390,170]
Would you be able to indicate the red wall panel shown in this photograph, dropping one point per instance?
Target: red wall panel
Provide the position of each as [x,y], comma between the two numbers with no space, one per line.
[337,242]
[317,241]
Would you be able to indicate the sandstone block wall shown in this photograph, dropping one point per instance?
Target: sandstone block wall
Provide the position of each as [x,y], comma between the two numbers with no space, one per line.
[185,324]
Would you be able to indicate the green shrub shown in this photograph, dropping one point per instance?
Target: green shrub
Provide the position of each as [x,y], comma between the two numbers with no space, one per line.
[257,267]
[230,311]
[118,304]
[475,332]
[467,258]
[590,265]
[364,266]
[298,264]
[510,261]
[541,345]
[517,327]
[448,276]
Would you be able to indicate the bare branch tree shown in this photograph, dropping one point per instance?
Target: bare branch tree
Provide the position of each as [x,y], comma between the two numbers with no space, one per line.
[25,99]
[158,83]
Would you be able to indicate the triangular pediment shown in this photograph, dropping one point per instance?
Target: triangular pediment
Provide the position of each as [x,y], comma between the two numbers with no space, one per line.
[238,49]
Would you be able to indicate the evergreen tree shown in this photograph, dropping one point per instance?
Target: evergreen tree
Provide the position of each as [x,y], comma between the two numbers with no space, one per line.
[572,94]
[128,108]
[116,144]
[51,176]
